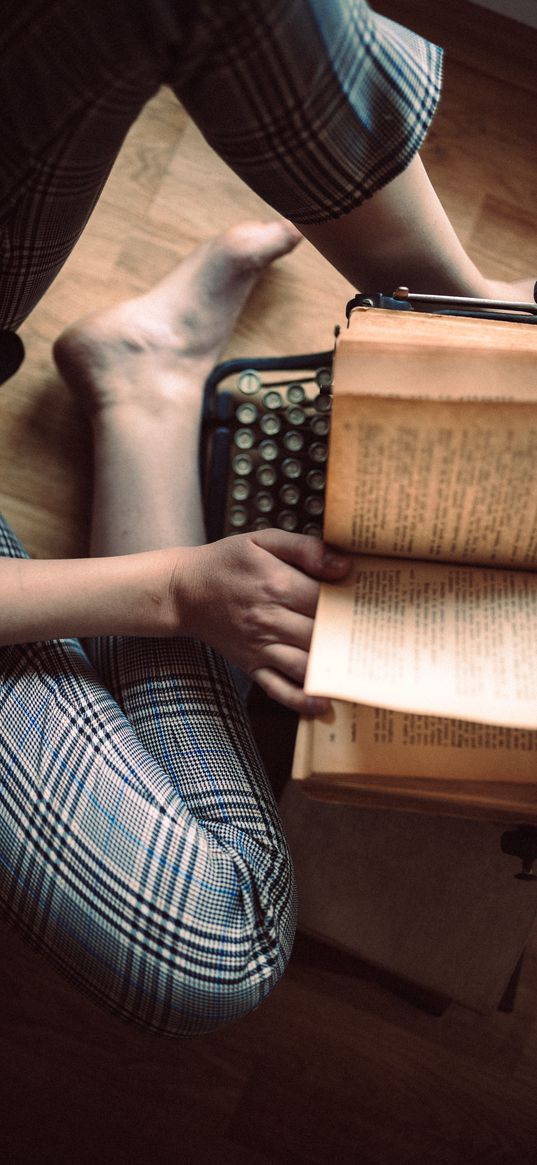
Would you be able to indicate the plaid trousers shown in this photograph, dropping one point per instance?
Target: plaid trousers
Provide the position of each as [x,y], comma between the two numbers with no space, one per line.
[140,845]
[315,104]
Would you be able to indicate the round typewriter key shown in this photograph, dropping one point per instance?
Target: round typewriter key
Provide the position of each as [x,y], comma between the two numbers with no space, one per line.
[293,441]
[272,400]
[315,479]
[237,517]
[291,468]
[246,413]
[323,377]
[242,464]
[314,505]
[313,529]
[295,394]
[289,494]
[240,491]
[286,520]
[323,402]
[261,524]
[320,426]
[270,424]
[264,502]
[249,382]
[268,450]
[295,415]
[244,438]
[266,475]
[318,452]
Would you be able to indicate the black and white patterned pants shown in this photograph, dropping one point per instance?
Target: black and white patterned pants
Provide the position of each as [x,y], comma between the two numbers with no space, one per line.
[140,845]
[316,104]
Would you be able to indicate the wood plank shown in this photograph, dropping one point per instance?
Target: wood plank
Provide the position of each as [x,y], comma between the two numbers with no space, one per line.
[335,1065]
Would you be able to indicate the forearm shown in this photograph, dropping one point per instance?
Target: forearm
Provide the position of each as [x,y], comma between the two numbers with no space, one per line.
[402,235]
[123,595]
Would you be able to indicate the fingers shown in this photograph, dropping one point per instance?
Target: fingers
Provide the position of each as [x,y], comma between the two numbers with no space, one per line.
[294,607]
[288,661]
[279,688]
[253,597]
[310,555]
[296,564]
[282,678]
[289,631]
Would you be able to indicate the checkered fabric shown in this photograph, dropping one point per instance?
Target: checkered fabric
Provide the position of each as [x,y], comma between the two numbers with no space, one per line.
[140,846]
[314,103]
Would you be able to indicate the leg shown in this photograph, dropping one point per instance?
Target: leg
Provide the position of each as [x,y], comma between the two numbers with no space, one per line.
[141,367]
[151,867]
[162,891]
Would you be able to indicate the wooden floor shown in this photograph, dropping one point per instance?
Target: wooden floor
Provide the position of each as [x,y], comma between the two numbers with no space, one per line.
[335,1066]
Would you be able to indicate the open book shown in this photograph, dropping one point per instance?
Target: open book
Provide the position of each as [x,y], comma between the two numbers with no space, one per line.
[429,646]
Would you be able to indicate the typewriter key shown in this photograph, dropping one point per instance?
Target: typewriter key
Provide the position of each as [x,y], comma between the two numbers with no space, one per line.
[295,394]
[242,464]
[289,494]
[268,450]
[286,520]
[314,505]
[323,403]
[266,475]
[323,377]
[238,517]
[320,426]
[296,415]
[240,491]
[313,529]
[261,524]
[318,452]
[249,382]
[270,424]
[291,468]
[246,413]
[264,502]
[315,479]
[272,400]
[244,438]
[293,441]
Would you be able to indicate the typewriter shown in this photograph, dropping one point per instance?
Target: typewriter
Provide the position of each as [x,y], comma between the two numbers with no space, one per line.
[266,426]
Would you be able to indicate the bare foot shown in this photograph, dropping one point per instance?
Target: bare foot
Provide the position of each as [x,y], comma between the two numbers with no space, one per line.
[150,350]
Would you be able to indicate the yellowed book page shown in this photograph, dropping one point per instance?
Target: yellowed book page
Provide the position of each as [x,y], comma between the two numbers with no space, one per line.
[430,638]
[388,353]
[357,739]
[434,479]
[302,757]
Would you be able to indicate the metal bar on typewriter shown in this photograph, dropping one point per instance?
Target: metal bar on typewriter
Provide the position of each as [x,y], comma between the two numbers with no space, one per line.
[460,301]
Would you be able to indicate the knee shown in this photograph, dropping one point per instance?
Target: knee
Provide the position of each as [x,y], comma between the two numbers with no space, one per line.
[186,1005]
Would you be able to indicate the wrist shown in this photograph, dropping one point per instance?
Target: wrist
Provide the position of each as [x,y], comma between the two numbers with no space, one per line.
[157,592]
[147,593]
[179,591]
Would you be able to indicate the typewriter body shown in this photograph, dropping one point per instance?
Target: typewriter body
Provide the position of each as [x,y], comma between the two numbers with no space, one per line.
[266,426]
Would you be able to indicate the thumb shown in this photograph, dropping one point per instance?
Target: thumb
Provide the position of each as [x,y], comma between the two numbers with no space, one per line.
[310,555]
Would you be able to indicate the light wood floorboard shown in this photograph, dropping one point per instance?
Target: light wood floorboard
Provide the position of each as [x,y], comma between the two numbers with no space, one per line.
[335,1066]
